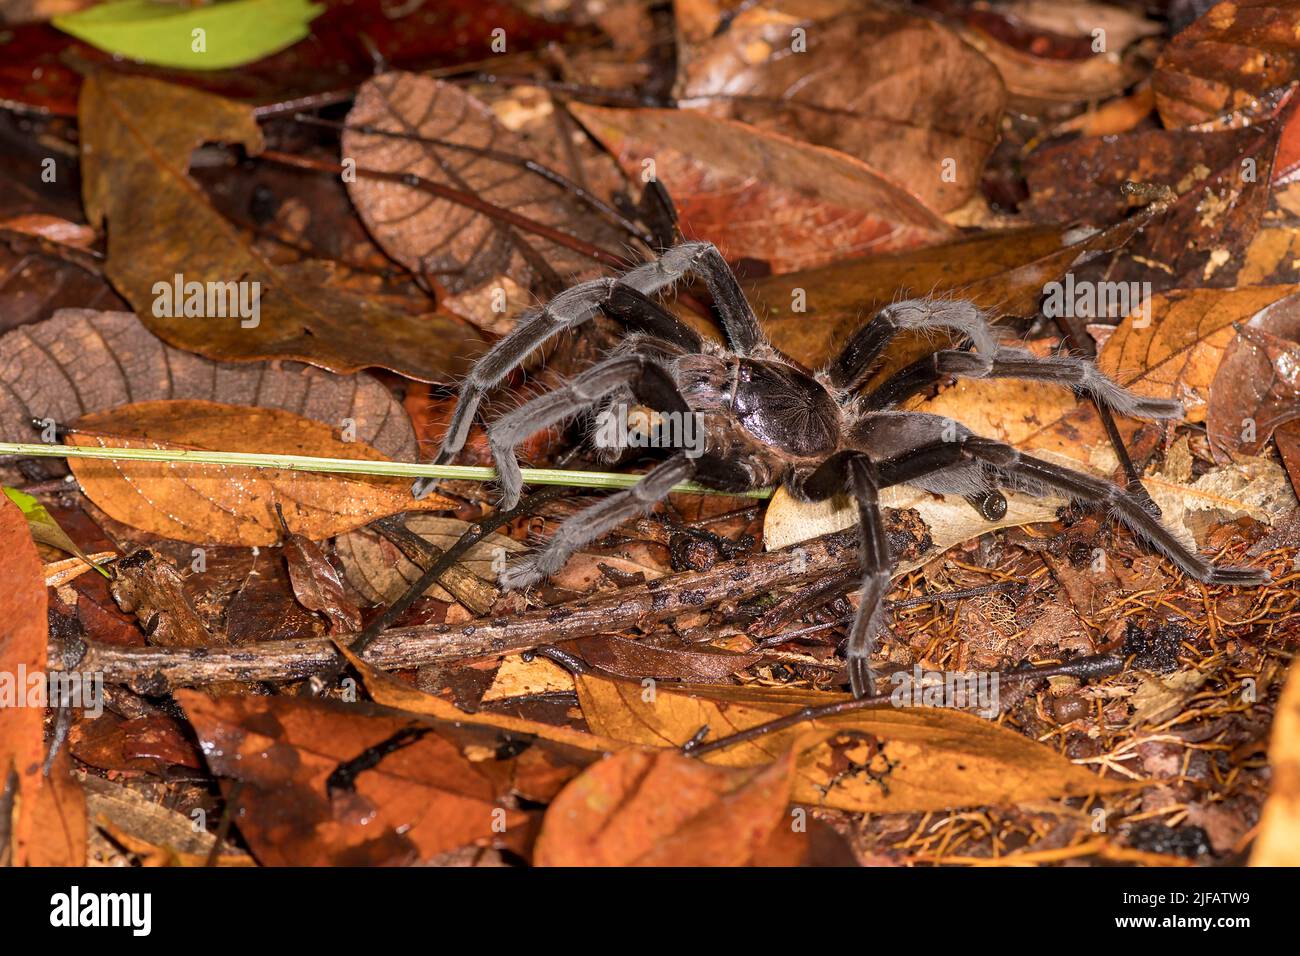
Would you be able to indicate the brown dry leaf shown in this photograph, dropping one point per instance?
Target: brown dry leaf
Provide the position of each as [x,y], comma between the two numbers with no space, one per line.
[381,573]
[136,137]
[1228,60]
[638,808]
[421,799]
[48,826]
[1054,79]
[391,692]
[81,361]
[895,759]
[637,659]
[1003,272]
[452,245]
[318,586]
[133,816]
[901,93]
[1177,353]
[217,504]
[761,195]
[1082,178]
[1257,386]
[1278,841]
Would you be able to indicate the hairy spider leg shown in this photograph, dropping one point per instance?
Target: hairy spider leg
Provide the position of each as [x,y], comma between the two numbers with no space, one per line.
[877,563]
[598,520]
[577,395]
[575,306]
[855,361]
[1067,371]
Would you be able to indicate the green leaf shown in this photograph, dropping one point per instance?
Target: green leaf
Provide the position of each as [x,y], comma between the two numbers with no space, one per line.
[213,37]
[44,528]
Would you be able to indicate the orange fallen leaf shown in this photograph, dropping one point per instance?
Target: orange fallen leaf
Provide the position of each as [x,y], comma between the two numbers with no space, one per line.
[220,504]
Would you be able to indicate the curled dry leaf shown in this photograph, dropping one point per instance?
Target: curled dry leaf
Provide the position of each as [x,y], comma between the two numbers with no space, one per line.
[136,137]
[1227,60]
[82,361]
[1257,386]
[789,204]
[48,824]
[638,660]
[420,799]
[891,760]
[901,93]
[459,248]
[318,586]
[639,808]
[219,504]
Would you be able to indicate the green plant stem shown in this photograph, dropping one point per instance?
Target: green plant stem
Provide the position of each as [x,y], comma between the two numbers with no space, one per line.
[348,466]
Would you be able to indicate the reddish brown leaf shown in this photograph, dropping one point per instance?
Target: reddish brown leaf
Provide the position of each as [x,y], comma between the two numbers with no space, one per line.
[451,245]
[761,195]
[901,93]
[318,585]
[1227,60]
[638,808]
[419,800]
[49,813]
[1257,386]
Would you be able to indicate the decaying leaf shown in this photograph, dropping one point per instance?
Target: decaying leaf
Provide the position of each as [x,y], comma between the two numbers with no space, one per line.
[949,520]
[790,204]
[419,799]
[217,504]
[901,93]
[318,585]
[662,809]
[1227,60]
[889,760]
[1257,386]
[82,361]
[136,137]
[452,245]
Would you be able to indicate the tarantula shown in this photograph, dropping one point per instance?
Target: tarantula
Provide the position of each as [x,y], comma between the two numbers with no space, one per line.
[768,420]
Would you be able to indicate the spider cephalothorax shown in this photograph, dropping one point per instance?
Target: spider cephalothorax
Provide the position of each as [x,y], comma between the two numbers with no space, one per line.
[767,420]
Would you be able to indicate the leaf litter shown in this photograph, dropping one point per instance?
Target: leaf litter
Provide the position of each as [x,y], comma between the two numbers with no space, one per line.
[591,720]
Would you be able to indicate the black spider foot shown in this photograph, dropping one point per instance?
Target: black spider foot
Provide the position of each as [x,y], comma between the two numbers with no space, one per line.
[862,680]
[1237,577]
